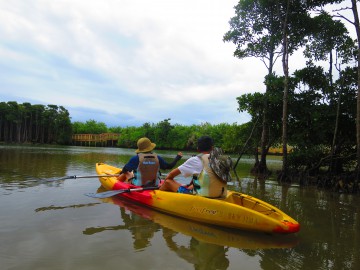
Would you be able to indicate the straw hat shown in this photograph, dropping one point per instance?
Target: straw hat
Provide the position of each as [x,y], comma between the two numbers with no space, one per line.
[144,145]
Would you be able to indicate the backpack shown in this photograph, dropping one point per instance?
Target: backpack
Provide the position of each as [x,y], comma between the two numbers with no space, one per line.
[220,164]
[147,173]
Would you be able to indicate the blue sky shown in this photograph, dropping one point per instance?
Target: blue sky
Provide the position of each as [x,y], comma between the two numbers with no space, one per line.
[125,62]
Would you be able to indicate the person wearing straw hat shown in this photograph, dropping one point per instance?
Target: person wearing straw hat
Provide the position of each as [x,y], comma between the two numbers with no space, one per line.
[143,168]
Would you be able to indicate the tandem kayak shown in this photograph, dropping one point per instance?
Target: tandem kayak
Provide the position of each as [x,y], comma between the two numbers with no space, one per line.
[212,235]
[236,210]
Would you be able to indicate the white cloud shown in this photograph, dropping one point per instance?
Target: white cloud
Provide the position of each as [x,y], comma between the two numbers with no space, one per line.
[139,60]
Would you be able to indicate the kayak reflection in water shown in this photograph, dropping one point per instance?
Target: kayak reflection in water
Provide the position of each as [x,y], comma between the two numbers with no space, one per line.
[201,254]
[142,229]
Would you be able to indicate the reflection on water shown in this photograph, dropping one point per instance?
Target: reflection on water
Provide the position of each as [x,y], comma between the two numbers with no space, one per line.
[26,166]
[142,229]
[52,207]
[139,219]
[30,164]
[201,254]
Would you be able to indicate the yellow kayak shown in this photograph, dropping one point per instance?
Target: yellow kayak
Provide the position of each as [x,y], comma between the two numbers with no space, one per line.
[237,210]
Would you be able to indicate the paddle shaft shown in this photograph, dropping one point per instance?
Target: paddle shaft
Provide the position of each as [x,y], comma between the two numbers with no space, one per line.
[84,176]
[111,193]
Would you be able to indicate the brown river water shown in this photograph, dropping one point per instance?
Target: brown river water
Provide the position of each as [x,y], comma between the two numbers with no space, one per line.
[52,225]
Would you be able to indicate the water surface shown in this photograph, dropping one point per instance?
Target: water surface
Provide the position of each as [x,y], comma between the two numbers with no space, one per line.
[52,225]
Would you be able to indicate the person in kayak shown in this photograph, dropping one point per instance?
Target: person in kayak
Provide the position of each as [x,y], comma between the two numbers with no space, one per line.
[144,168]
[205,181]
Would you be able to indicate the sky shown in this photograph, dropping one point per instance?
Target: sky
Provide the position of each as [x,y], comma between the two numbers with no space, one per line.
[126,62]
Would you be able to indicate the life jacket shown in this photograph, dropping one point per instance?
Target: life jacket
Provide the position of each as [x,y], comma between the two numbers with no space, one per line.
[147,173]
[207,183]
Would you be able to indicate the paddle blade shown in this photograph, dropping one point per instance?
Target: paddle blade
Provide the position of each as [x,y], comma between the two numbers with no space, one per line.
[62,178]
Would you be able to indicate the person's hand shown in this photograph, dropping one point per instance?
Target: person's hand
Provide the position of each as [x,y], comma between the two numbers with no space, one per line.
[180,154]
[125,176]
[129,176]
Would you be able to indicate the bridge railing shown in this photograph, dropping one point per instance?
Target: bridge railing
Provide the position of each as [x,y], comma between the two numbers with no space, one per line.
[103,138]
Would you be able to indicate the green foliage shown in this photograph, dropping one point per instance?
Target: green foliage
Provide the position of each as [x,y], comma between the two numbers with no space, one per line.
[313,116]
[115,129]
[162,133]
[255,29]
[235,136]
[92,127]
[307,159]
[34,123]
[251,103]
[328,35]
[130,135]
[168,136]
[180,137]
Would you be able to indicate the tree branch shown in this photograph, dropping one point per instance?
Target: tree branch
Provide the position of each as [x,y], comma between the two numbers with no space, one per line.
[245,145]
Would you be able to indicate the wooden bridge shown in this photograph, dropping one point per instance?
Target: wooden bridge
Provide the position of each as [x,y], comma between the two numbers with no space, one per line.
[104,139]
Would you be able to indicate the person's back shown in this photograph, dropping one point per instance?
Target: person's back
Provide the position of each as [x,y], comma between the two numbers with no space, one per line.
[147,173]
[144,168]
[208,184]
[205,182]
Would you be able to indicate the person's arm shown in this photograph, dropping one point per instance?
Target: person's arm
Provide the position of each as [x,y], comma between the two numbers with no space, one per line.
[170,184]
[127,170]
[175,172]
[164,165]
[131,165]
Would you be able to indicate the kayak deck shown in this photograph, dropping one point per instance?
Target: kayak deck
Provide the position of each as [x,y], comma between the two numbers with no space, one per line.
[237,210]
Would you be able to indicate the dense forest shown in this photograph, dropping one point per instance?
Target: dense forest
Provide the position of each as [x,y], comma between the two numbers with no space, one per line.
[26,123]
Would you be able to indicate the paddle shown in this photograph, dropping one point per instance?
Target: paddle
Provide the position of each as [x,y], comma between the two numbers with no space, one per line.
[111,193]
[85,176]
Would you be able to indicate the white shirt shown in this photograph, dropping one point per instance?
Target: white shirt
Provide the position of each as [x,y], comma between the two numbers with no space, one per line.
[191,166]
